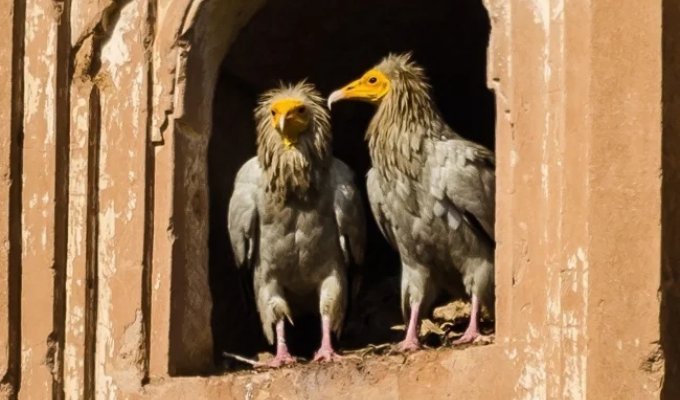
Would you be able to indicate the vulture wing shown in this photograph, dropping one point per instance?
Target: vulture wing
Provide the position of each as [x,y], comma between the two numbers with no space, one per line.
[243,216]
[463,179]
[378,201]
[349,214]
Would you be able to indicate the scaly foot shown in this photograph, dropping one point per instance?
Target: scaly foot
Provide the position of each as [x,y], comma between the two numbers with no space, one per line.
[277,362]
[326,354]
[472,331]
[409,344]
[469,336]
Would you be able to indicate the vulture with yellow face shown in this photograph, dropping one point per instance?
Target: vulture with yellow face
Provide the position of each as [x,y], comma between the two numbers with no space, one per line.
[296,218]
[431,192]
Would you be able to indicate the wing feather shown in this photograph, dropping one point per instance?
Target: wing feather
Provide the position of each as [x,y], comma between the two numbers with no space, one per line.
[463,177]
[377,200]
[243,217]
[349,213]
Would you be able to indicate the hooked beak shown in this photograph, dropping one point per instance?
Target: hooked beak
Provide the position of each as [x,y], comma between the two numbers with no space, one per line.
[336,96]
[361,90]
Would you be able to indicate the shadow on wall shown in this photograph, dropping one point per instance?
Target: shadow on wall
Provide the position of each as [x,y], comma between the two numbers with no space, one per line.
[330,43]
[670,253]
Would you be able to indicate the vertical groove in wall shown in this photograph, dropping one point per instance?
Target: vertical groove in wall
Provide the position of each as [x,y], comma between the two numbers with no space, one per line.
[91,274]
[177,256]
[670,198]
[13,376]
[149,194]
[63,115]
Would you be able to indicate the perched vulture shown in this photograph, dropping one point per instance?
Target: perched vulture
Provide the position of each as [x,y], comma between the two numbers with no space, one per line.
[430,190]
[296,218]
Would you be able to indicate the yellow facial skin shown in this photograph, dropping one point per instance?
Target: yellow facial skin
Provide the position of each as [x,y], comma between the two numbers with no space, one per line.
[290,117]
[371,88]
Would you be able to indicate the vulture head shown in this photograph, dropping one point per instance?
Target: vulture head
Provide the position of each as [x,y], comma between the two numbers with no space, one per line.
[293,140]
[405,113]
[396,82]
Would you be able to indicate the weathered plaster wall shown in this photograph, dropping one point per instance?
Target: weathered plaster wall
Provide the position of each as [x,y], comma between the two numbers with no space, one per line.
[202,44]
[105,111]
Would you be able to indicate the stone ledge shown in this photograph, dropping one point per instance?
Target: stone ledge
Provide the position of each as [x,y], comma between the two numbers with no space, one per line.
[430,374]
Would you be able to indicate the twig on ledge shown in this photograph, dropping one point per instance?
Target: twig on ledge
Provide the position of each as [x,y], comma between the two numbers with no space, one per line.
[241,358]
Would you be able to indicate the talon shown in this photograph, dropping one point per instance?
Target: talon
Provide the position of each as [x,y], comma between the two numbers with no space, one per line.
[326,355]
[468,337]
[277,362]
[409,345]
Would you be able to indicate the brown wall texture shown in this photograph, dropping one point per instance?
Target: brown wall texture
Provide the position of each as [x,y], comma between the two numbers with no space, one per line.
[105,115]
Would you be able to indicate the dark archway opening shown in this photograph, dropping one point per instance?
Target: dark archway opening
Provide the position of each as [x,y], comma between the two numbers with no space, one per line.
[330,43]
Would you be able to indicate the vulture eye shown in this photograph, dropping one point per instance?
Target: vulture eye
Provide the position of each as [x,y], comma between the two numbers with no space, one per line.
[301,109]
[372,80]
[273,113]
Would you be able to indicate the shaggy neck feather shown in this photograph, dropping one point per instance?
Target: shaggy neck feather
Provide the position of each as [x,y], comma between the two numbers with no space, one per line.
[405,118]
[293,172]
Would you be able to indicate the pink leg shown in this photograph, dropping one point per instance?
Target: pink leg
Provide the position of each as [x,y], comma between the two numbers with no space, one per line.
[282,357]
[472,331]
[411,341]
[326,352]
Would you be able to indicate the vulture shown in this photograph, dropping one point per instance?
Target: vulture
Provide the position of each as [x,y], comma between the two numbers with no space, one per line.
[296,219]
[430,190]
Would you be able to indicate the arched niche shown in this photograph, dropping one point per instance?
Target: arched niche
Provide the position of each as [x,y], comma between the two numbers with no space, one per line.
[192,58]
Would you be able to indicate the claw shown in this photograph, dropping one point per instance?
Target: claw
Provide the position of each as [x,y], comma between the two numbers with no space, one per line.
[326,354]
[408,344]
[279,361]
[469,336]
